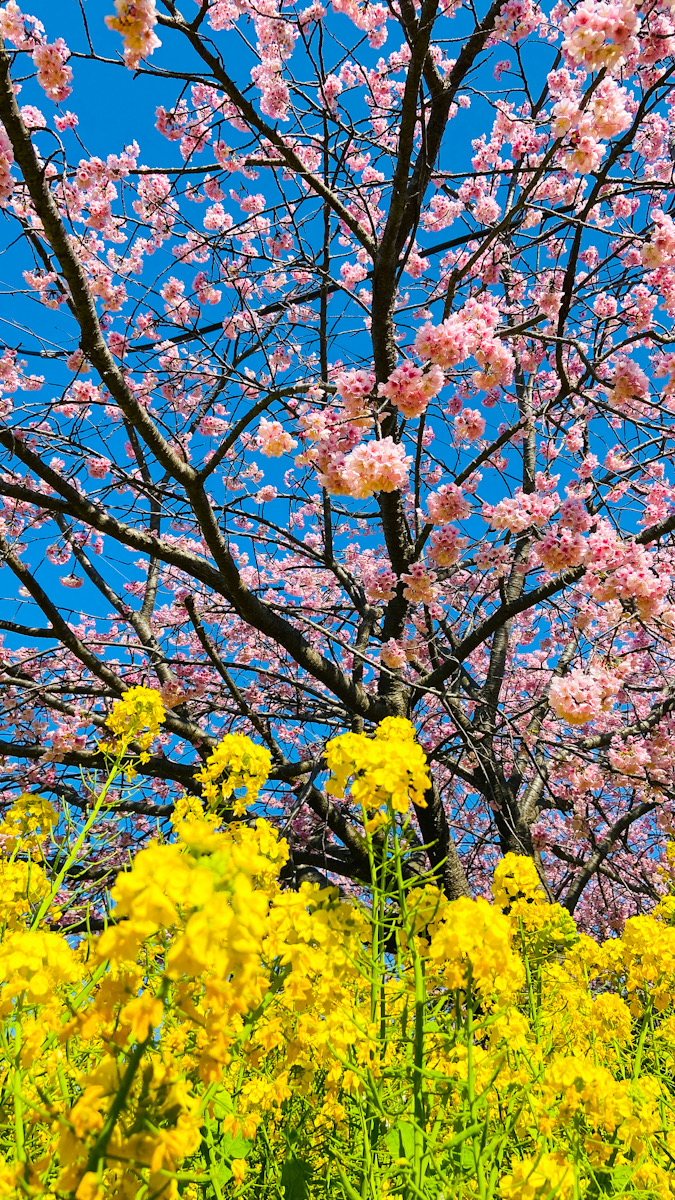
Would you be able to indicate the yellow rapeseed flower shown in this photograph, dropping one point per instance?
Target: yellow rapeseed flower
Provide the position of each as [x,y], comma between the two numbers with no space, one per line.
[138,717]
[236,763]
[389,768]
[538,1178]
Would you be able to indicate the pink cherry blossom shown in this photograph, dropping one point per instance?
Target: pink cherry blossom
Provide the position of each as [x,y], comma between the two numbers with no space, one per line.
[54,75]
[420,584]
[410,388]
[273,439]
[98,468]
[600,34]
[447,504]
[136,21]
[380,466]
[579,696]
[354,387]
[393,654]
[519,512]
[446,546]
[469,425]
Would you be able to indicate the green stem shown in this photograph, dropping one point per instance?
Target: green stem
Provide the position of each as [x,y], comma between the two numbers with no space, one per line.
[77,846]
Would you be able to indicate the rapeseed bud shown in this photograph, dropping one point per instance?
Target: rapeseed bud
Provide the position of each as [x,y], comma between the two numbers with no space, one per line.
[645,960]
[516,878]
[32,965]
[544,929]
[22,886]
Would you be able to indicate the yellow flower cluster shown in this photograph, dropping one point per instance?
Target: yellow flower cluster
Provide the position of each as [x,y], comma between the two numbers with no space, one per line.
[236,763]
[388,769]
[470,945]
[224,1037]
[544,929]
[28,821]
[644,962]
[32,963]
[538,1178]
[137,717]
[23,884]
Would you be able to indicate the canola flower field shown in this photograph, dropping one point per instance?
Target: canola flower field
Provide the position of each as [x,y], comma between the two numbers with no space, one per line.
[226,1037]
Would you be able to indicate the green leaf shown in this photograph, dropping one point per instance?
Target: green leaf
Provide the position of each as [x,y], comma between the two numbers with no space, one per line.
[400,1141]
[220,1174]
[232,1145]
[295,1175]
[222,1104]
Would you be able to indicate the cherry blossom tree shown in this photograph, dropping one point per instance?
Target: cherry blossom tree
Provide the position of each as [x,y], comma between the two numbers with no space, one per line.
[356,402]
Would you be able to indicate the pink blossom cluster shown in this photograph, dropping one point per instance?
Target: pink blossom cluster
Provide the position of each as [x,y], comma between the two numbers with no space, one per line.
[447,504]
[379,581]
[352,273]
[516,20]
[27,33]
[79,396]
[371,18]
[630,386]
[135,20]
[71,581]
[441,212]
[330,439]
[521,511]
[393,654]
[273,440]
[601,34]
[212,426]
[224,13]
[155,204]
[46,284]
[659,250]
[205,292]
[459,336]
[177,307]
[420,584]
[276,39]
[9,372]
[583,125]
[581,696]
[98,466]
[496,363]
[380,466]
[640,303]
[354,387]
[59,554]
[410,388]
[65,739]
[469,331]
[574,515]
[54,75]
[329,91]
[469,425]
[446,546]
[561,548]
[625,571]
